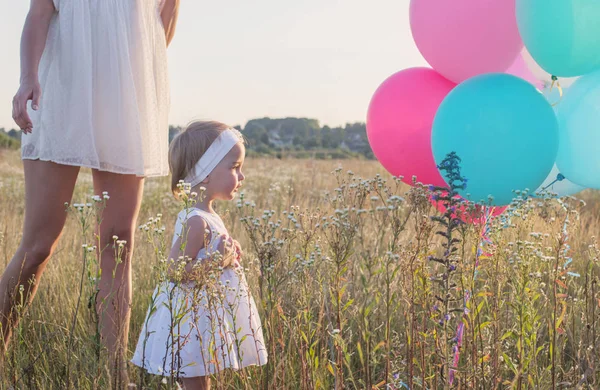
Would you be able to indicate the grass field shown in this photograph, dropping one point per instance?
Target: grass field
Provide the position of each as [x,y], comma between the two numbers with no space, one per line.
[356,289]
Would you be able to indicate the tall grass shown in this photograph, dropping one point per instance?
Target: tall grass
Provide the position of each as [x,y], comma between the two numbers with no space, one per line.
[356,286]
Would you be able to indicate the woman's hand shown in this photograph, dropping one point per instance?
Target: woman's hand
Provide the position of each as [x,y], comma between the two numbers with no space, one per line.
[168,15]
[29,90]
[33,42]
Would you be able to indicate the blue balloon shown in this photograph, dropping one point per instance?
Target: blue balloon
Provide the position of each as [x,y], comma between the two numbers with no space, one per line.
[504,131]
[561,35]
[578,114]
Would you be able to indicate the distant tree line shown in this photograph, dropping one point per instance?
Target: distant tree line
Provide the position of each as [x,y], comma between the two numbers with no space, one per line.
[303,138]
[10,139]
[281,138]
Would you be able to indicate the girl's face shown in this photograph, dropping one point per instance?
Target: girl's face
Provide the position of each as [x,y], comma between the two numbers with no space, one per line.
[227,177]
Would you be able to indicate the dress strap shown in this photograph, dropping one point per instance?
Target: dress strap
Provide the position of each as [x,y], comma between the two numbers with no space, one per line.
[184,215]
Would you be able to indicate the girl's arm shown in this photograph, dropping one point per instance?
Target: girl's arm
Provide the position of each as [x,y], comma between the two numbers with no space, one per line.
[168,15]
[33,42]
[196,239]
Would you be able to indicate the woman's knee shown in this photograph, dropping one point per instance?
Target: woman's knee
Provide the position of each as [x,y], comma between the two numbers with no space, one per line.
[40,237]
[37,253]
[109,235]
[117,245]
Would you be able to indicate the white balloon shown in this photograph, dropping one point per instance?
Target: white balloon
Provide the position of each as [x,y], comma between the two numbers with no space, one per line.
[559,187]
[542,75]
[552,184]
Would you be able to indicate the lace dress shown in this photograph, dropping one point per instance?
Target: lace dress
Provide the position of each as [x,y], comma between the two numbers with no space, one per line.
[105,94]
[194,331]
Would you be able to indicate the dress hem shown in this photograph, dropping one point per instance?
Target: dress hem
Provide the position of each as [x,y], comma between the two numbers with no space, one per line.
[92,166]
[210,372]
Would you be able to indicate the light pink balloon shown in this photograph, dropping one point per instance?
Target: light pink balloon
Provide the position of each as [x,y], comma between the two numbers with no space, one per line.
[399,123]
[520,69]
[464,38]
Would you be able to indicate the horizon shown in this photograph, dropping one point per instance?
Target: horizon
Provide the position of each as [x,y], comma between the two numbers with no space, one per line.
[321,125]
[320,60]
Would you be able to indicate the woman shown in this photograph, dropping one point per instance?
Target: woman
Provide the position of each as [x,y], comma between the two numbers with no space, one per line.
[95,72]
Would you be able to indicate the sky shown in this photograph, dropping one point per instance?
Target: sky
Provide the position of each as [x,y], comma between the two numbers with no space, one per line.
[235,60]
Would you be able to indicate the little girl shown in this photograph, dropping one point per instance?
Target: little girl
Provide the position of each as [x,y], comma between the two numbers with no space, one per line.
[204,320]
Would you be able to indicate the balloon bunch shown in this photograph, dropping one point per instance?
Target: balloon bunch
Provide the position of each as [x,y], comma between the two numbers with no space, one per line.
[482,98]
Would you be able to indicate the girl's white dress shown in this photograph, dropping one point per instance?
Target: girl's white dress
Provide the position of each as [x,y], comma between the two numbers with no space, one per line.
[105,93]
[191,331]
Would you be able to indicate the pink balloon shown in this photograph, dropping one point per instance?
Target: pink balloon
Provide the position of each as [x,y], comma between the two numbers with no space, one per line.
[520,69]
[399,123]
[464,38]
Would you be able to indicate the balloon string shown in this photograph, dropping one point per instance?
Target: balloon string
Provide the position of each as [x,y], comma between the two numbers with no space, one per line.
[556,83]
[559,177]
[484,250]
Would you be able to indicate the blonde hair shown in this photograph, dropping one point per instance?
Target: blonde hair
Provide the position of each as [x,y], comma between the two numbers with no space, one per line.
[188,146]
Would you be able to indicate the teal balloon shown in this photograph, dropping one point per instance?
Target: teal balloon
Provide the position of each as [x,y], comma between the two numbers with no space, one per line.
[503,130]
[563,36]
[578,114]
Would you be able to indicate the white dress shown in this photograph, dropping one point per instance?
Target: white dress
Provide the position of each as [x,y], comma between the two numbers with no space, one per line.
[105,93]
[220,330]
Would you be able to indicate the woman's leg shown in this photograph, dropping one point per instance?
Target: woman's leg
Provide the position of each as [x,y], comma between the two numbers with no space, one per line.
[114,296]
[47,187]
[196,383]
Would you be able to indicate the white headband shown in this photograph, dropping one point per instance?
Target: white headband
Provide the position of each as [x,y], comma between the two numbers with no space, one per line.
[213,156]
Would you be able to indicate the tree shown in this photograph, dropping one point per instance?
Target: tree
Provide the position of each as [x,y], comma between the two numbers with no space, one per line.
[15,134]
[7,142]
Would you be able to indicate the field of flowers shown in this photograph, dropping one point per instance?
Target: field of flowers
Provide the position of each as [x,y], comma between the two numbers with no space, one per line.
[361,284]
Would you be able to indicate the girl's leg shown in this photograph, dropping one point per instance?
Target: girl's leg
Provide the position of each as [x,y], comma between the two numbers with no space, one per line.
[114,296]
[47,187]
[196,383]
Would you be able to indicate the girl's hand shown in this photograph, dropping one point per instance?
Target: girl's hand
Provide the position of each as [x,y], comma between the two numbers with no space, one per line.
[228,250]
[29,90]
[238,253]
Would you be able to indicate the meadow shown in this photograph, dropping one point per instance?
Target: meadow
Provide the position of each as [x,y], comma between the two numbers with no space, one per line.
[360,281]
